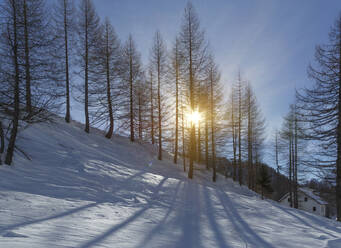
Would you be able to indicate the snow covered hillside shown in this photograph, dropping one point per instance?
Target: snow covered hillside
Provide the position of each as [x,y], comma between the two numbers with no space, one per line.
[82,190]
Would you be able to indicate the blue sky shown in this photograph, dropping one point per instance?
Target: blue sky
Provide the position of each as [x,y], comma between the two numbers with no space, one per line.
[271,41]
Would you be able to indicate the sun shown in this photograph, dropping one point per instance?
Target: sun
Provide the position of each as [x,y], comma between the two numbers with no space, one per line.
[194,117]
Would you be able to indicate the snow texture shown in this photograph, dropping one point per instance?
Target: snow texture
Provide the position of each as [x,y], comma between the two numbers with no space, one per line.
[83,190]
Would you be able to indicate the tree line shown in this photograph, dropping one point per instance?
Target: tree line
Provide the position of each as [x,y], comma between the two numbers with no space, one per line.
[310,138]
[41,58]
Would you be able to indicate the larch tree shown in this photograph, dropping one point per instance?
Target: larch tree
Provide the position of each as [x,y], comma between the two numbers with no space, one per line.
[158,60]
[29,90]
[88,28]
[288,137]
[108,57]
[2,142]
[64,27]
[131,73]
[176,69]
[183,134]
[212,113]
[36,42]
[193,49]
[10,50]
[240,123]
[141,109]
[321,106]
[293,137]
[151,104]
[254,134]
[206,105]
[277,151]
[232,127]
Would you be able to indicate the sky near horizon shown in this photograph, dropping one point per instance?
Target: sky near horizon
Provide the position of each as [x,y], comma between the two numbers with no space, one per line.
[271,41]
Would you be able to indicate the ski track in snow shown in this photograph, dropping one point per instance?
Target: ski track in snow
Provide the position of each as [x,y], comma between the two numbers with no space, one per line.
[82,190]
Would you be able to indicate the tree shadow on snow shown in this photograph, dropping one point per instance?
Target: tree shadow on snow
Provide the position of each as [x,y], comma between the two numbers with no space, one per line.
[212,219]
[126,222]
[241,227]
[317,221]
[189,219]
[159,227]
[52,217]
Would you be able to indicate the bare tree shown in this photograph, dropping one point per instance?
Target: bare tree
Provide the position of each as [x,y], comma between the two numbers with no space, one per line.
[64,26]
[88,24]
[239,118]
[151,87]
[130,74]
[214,77]
[293,137]
[254,134]
[142,101]
[232,127]
[321,106]
[107,70]
[10,11]
[183,136]
[158,61]
[193,49]
[176,63]
[2,142]
[27,66]
[36,43]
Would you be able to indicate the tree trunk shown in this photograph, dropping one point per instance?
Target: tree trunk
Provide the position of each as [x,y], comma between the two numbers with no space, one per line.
[11,144]
[132,136]
[234,143]
[199,142]
[86,82]
[183,138]
[152,107]
[276,151]
[295,165]
[240,171]
[27,64]
[212,133]
[338,159]
[140,114]
[107,68]
[290,170]
[176,106]
[159,109]
[67,114]
[191,99]
[2,142]
[249,141]
[206,141]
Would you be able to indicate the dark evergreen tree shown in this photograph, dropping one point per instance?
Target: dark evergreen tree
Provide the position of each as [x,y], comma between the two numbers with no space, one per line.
[264,181]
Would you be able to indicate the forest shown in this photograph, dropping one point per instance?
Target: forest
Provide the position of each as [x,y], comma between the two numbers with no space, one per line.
[53,55]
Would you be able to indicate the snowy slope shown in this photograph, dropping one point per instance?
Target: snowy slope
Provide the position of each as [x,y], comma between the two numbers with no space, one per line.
[82,190]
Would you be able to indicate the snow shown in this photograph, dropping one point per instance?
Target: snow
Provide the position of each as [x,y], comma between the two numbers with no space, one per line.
[82,190]
[309,192]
